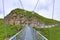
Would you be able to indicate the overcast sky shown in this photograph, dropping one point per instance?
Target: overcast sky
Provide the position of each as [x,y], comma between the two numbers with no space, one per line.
[44,7]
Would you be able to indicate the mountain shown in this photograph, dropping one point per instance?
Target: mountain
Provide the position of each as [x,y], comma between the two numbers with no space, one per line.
[23,17]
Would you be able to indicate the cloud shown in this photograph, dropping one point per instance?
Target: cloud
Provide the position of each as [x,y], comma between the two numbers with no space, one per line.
[57,10]
[10,5]
[44,7]
[0,11]
[29,4]
[44,4]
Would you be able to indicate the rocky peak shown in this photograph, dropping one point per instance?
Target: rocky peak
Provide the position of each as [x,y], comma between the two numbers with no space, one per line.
[15,18]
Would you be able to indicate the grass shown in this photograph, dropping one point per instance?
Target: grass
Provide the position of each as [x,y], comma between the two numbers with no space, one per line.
[37,16]
[8,30]
[50,33]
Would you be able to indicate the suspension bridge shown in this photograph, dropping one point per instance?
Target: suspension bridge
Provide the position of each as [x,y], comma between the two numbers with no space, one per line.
[28,33]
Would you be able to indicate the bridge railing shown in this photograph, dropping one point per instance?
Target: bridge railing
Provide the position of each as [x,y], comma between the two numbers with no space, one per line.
[41,36]
[38,36]
[21,35]
[18,36]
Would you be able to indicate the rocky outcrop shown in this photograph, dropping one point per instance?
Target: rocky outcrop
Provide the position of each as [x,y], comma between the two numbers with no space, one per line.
[19,19]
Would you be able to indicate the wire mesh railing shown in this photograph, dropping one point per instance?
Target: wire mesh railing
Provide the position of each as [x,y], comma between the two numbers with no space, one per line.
[19,36]
[22,35]
[37,35]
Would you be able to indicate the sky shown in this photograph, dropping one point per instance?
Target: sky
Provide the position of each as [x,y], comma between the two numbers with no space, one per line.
[43,8]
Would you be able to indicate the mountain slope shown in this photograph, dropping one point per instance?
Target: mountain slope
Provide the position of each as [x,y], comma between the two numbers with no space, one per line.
[52,33]
[12,29]
[35,15]
[7,31]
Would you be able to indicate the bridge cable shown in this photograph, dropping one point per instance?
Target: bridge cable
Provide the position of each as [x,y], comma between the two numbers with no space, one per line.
[52,16]
[4,18]
[53,9]
[21,4]
[35,6]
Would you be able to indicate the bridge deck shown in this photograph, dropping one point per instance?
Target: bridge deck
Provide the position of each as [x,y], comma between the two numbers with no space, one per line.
[28,33]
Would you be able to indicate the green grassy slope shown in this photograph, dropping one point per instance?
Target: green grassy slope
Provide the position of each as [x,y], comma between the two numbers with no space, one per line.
[8,30]
[12,29]
[39,17]
[50,33]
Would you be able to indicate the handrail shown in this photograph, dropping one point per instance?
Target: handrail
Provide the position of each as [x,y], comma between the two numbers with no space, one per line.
[41,36]
[16,34]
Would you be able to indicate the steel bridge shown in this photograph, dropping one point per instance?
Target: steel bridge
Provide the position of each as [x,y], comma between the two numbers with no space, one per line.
[28,33]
